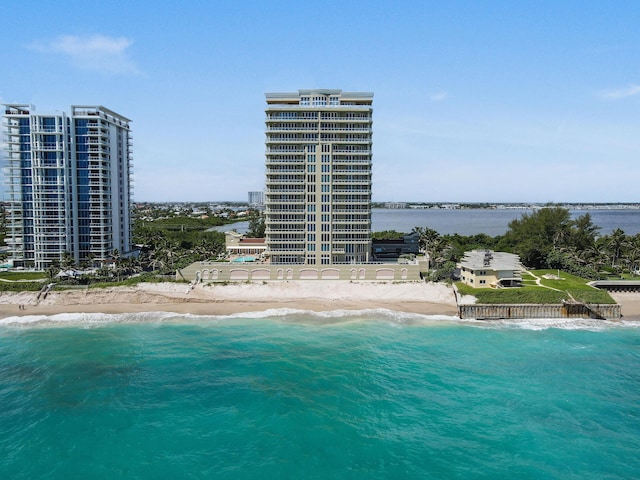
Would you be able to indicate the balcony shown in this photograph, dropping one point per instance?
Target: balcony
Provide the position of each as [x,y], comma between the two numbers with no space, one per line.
[285,250]
[47,146]
[289,141]
[43,129]
[299,128]
[351,230]
[281,202]
[285,182]
[345,180]
[285,149]
[275,231]
[345,151]
[285,244]
[293,211]
[273,162]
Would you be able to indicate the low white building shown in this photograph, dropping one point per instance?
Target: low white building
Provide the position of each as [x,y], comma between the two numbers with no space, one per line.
[489,269]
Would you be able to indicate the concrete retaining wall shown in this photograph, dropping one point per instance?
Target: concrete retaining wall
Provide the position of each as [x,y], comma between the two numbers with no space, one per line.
[503,311]
[207,272]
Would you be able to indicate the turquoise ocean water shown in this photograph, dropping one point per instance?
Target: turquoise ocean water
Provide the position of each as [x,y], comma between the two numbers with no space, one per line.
[285,394]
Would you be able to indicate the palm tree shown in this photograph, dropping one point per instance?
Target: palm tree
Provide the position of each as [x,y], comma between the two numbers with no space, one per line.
[428,237]
[617,241]
[584,232]
[67,262]
[597,255]
[52,270]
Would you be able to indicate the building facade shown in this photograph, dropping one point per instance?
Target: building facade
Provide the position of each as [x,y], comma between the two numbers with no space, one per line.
[256,199]
[318,177]
[68,184]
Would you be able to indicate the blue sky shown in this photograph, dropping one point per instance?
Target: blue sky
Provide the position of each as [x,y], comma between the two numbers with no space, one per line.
[474,101]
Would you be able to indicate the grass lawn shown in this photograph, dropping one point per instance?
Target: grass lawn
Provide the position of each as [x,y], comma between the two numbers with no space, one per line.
[23,276]
[550,290]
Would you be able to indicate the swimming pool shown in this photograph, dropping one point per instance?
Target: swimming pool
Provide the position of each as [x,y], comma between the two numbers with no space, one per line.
[244,259]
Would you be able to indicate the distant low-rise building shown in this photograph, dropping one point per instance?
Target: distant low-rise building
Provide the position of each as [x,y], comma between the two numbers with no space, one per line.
[384,249]
[239,245]
[395,205]
[489,269]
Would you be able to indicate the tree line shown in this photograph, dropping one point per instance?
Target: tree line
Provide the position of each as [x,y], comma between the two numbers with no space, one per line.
[546,238]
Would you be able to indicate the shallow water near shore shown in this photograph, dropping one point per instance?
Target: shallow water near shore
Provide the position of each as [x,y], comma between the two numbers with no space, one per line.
[292,394]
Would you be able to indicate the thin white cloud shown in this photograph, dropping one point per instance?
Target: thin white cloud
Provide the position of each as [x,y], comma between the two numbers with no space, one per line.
[439,96]
[630,91]
[95,52]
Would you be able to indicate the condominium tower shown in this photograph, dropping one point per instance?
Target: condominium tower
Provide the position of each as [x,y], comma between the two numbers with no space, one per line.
[318,177]
[68,184]
[256,199]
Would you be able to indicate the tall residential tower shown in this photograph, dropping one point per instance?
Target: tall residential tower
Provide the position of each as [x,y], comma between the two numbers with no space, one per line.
[318,177]
[68,184]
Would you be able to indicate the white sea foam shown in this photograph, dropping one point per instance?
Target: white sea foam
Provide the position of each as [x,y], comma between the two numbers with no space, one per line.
[555,323]
[307,317]
[89,319]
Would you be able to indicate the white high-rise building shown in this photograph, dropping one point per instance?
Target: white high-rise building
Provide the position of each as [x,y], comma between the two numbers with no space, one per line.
[256,199]
[68,184]
[318,177]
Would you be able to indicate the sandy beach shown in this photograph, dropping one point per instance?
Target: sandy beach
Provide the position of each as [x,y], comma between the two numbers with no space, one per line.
[216,299]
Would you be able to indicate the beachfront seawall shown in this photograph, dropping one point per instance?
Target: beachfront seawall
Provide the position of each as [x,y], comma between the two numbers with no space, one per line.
[206,272]
[524,311]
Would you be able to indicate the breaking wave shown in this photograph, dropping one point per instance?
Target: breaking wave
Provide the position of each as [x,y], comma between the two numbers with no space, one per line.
[306,317]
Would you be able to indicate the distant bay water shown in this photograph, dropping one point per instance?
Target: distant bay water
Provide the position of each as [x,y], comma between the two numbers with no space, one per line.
[489,221]
[347,395]
[474,221]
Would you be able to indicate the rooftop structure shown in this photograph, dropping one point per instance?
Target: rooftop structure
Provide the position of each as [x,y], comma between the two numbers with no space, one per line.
[318,177]
[68,184]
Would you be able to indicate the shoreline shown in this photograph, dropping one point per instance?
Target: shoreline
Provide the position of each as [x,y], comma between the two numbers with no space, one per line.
[217,299]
